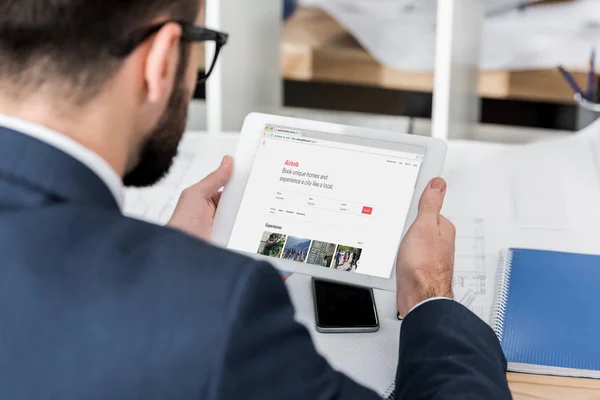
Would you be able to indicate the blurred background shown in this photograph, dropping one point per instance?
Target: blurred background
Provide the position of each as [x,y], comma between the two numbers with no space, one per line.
[374,63]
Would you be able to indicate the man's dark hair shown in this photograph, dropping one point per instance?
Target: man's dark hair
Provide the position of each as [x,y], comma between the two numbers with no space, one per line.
[42,40]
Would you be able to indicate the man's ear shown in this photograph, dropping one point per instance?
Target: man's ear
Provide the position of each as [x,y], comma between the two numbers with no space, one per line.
[162,62]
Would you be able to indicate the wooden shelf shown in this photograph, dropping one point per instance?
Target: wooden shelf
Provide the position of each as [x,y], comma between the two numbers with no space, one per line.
[316,48]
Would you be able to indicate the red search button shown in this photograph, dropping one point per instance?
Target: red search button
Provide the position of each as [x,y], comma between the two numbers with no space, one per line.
[367,210]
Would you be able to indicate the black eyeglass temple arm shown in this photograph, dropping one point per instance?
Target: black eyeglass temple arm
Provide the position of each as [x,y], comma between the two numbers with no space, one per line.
[198,33]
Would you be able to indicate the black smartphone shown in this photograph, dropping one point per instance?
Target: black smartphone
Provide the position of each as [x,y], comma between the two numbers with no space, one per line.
[344,308]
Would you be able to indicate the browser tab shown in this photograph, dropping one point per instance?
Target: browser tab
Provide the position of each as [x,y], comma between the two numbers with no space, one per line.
[288,131]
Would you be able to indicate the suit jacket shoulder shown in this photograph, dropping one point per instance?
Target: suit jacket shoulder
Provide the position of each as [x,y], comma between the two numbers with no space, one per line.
[120,301]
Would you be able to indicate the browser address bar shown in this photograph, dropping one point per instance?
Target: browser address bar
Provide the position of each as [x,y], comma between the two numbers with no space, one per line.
[347,146]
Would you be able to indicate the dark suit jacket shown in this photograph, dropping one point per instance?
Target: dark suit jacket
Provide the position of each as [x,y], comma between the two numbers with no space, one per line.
[94,305]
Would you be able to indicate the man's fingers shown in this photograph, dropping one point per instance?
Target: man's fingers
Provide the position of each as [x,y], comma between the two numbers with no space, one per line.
[209,186]
[432,199]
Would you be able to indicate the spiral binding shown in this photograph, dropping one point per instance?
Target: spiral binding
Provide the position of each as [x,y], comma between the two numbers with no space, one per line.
[390,393]
[501,295]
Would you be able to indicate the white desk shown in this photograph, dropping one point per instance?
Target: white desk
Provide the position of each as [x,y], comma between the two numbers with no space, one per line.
[465,175]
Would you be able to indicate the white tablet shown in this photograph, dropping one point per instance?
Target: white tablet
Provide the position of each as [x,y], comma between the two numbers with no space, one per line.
[323,199]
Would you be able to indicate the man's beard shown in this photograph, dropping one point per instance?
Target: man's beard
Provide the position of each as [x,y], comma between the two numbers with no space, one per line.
[157,153]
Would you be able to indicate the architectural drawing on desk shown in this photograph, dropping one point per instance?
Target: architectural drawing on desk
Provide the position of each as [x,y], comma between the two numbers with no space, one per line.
[470,276]
[156,204]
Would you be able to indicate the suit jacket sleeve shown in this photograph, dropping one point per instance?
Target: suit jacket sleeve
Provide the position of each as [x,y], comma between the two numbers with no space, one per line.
[268,355]
[448,353]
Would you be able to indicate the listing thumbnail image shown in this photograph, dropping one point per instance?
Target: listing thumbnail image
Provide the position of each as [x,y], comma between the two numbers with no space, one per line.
[271,244]
[321,253]
[346,258]
[296,249]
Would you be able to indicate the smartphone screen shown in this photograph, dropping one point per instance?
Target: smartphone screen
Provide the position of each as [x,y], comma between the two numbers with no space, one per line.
[344,307]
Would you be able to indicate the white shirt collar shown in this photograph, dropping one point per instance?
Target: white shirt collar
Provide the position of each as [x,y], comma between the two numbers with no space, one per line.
[72,148]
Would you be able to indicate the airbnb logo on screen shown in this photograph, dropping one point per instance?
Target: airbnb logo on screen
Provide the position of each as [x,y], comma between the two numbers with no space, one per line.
[290,163]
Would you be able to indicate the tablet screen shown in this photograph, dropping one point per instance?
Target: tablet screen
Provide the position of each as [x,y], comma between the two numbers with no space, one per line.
[327,200]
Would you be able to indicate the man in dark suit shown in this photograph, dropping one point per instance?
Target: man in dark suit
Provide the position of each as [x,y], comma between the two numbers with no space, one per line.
[94,305]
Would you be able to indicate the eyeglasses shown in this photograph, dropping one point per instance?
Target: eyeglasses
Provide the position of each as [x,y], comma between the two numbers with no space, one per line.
[190,33]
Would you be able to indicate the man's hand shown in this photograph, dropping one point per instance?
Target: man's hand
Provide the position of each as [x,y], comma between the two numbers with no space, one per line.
[197,205]
[426,258]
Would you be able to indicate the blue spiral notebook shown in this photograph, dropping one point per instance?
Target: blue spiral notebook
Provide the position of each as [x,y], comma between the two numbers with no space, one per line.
[546,312]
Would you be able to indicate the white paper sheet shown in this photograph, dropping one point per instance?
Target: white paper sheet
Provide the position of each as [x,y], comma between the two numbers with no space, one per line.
[538,197]
[544,195]
[473,267]
[401,33]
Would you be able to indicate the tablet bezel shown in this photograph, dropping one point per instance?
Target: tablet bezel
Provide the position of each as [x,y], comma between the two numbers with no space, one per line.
[251,135]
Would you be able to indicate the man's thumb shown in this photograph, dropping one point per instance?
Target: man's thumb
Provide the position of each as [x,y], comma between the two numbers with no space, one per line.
[210,185]
[432,199]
